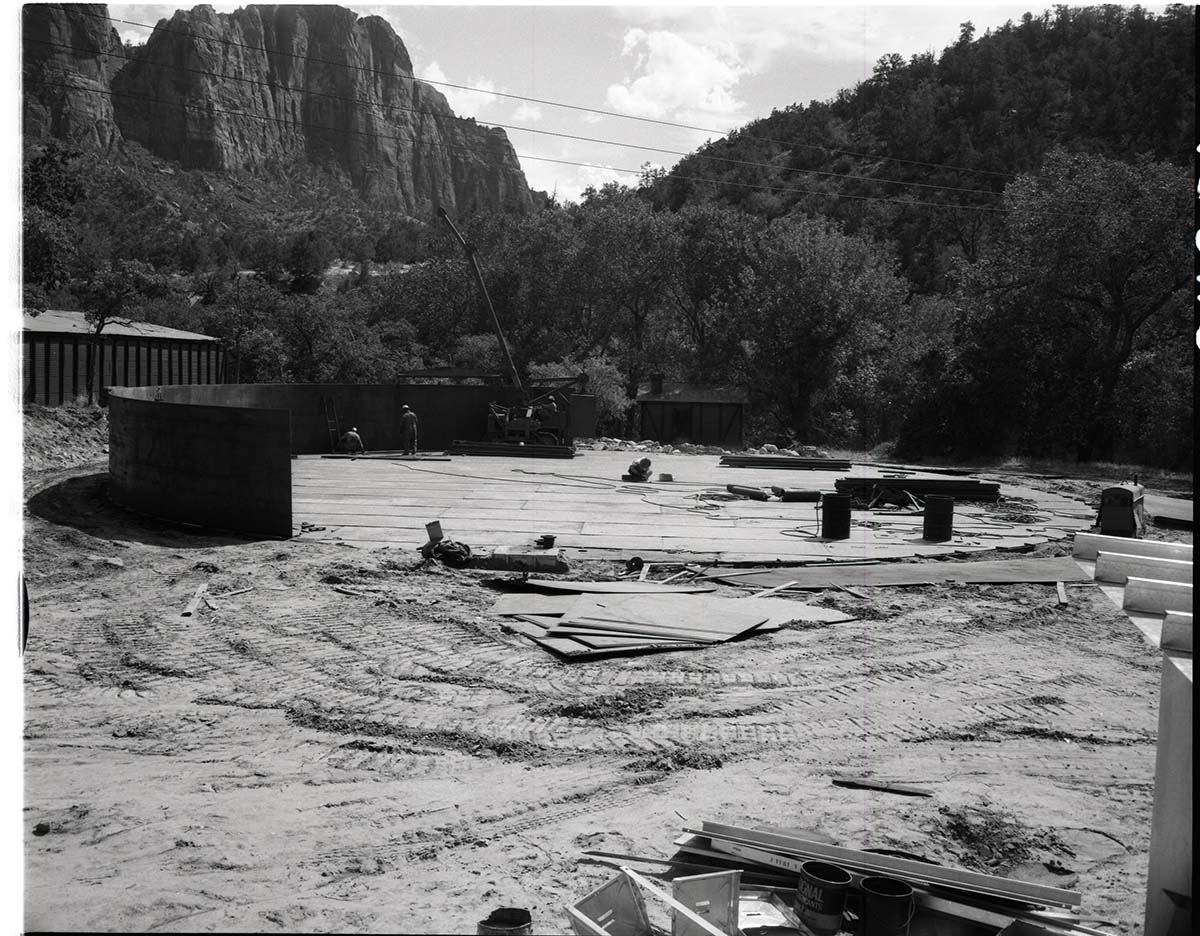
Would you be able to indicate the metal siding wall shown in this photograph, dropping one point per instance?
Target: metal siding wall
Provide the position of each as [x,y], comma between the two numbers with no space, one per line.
[69,366]
[79,368]
[154,356]
[53,373]
[28,372]
[63,364]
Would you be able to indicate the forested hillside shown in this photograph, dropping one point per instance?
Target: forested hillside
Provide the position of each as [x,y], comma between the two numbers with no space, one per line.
[1004,271]
[895,153]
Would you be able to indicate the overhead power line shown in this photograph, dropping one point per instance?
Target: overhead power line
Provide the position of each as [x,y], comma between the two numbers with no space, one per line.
[274,86]
[548,103]
[207,110]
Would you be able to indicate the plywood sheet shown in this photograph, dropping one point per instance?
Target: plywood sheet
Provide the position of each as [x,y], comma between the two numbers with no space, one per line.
[533,603]
[618,588]
[713,613]
[1168,508]
[491,502]
[1000,571]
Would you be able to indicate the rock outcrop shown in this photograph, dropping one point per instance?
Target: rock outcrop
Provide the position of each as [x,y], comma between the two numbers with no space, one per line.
[70,53]
[277,84]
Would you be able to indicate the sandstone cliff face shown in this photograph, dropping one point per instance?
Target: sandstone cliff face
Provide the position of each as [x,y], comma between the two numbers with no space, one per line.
[283,83]
[69,56]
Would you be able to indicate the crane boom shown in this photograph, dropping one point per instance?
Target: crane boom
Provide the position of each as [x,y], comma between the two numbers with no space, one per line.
[469,250]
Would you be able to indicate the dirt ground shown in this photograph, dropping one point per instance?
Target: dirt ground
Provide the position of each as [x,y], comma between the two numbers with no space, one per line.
[293,758]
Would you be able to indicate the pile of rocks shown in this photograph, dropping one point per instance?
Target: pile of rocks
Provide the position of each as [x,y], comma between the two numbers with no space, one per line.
[606,444]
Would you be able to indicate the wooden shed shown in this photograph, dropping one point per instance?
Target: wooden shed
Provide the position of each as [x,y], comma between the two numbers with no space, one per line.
[675,413]
[54,347]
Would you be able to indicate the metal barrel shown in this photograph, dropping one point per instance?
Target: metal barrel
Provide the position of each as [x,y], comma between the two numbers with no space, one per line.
[939,518]
[835,516]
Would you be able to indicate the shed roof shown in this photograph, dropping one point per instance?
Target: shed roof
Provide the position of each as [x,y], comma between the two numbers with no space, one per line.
[57,322]
[690,393]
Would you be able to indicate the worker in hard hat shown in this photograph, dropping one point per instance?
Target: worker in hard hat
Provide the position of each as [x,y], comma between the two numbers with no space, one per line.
[408,430]
[352,443]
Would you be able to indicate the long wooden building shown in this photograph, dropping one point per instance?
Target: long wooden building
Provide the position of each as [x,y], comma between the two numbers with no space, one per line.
[54,348]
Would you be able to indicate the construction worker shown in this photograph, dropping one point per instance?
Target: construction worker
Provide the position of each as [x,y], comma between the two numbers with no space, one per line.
[408,430]
[352,442]
[638,471]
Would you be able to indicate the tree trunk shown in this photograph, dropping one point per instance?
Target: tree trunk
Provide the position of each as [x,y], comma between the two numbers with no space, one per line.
[1098,442]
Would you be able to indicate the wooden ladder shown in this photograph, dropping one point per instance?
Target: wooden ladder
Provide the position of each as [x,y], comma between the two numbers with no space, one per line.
[331,422]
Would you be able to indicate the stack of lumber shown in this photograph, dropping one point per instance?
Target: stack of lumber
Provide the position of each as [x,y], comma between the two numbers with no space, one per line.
[462,447]
[793,462]
[590,620]
[968,896]
[958,488]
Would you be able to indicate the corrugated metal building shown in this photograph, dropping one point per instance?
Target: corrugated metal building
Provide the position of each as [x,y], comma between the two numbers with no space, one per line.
[54,347]
[682,413]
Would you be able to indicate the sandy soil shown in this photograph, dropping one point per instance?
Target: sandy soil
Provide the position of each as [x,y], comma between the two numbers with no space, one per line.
[292,758]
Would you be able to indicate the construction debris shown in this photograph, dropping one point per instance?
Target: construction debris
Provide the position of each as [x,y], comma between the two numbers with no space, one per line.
[732,856]
[590,625]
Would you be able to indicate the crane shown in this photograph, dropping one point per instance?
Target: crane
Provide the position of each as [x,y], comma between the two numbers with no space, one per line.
[537,420]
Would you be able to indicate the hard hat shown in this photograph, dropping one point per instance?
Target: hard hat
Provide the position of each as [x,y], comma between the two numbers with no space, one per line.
[403,406]
[354,428]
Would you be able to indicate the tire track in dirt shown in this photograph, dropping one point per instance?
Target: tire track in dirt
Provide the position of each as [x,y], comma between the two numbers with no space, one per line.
[422,844]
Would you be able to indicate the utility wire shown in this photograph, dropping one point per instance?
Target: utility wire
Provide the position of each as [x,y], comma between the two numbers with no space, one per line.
[576,107]
[516,127]
[565,162]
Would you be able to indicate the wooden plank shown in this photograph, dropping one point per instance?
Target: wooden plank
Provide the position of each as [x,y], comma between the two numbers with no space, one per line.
[778,588]
[1062,593]
[195,602]
[1059,569]
[1117,567]
[618,588]
[905,868]
[886,786]
[1088,546]
[1157,597]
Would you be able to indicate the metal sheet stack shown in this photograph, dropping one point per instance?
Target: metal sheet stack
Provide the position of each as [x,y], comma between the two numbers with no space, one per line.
[793,462]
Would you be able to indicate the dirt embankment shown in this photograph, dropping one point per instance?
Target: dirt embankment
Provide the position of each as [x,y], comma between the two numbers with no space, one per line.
[63,436]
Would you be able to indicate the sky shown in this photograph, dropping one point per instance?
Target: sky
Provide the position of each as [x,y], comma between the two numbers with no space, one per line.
[709,67]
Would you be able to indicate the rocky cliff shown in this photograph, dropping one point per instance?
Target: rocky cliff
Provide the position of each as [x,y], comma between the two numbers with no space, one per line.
[268,84]
[69,56]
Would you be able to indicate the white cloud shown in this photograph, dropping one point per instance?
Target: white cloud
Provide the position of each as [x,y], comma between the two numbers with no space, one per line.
[675,76]
[470,100]
[527,113]
[567,182]
[758,33]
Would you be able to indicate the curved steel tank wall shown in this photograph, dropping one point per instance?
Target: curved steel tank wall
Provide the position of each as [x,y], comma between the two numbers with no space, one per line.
[219,455]
[223,466]
[444,413]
